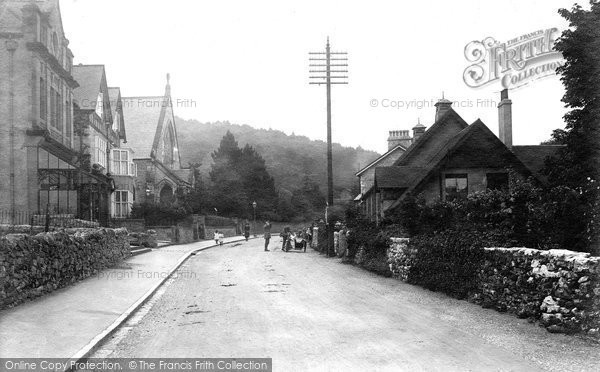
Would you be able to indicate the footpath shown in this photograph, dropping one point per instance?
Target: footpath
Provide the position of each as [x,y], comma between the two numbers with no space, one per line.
[68,322]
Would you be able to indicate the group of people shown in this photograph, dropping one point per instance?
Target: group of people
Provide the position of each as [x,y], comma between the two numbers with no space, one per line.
[303,236]
[218,237]
[290,238]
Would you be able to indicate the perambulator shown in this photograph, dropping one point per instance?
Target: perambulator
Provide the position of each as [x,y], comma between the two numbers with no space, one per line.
[295,242]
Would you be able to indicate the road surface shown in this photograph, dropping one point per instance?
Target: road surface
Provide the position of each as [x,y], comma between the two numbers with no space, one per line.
[308,312]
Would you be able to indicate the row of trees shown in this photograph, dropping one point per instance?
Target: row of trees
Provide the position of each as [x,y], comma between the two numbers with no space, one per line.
[238,177]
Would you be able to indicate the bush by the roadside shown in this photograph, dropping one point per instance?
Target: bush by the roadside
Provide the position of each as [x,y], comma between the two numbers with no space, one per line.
[447,261]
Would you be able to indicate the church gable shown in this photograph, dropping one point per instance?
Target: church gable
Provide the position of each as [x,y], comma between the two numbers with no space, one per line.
[166,146]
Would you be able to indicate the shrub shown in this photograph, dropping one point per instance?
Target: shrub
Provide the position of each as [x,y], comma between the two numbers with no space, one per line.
[159,214]
[447,261]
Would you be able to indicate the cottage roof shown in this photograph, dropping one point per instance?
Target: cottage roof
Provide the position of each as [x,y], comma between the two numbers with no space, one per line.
[399,176]
[398,149]
[446,127]
[473,147]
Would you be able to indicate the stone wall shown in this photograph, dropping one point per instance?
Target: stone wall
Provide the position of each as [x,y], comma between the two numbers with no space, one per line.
[131,224]
[33,265]
[558,288]
[164,233]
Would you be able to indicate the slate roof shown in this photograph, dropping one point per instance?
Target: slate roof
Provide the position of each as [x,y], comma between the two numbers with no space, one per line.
[459,151]
[382,157]
[398,176]
[89,78]
[434,130]
[142,115]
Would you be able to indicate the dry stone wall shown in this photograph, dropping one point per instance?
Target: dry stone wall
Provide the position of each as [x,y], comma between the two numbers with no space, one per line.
[33,265]
[558,288]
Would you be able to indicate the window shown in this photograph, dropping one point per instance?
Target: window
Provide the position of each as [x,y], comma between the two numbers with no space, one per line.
[497,181]
[55,50]
[100,104]
[100,151]
[120,162]
[44,35]
[456,186]
[43,98]
[69,125]
[59,111]
[122,203]
[53,113]
[123,164]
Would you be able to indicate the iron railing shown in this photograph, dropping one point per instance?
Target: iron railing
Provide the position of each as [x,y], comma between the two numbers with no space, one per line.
[24,221]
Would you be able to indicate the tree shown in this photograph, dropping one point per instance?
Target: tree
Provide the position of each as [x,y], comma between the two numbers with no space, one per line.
[258,184]
[196,199]
[239,177]
[577,164]
[227,188]
[308,199]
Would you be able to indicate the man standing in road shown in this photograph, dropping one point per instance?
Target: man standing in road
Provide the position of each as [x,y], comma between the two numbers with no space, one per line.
[267,228]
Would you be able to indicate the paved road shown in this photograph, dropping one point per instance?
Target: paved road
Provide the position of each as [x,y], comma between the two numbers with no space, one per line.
[312,313]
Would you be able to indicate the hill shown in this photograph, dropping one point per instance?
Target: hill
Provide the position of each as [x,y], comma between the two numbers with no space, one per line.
[289,158]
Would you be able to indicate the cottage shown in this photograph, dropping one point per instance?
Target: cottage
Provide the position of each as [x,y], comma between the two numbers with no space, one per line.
[453,159]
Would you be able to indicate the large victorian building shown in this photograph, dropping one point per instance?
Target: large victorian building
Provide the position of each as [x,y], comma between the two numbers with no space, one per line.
[39,161]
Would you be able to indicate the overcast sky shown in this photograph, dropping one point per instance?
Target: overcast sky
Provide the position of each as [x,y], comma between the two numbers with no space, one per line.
[247,61]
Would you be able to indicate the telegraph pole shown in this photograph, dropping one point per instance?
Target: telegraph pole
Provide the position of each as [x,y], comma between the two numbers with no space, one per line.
[321,73]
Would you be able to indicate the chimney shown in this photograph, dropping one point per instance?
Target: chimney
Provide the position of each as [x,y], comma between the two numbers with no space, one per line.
[505,119]
[441,107]
[399,137]
[418,130]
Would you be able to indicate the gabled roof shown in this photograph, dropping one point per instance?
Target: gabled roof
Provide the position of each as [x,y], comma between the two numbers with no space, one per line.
[442,130]
[473,147]
[116,107]
[151,119]
[390,152]
[92,81]
[398,177]
[142,115]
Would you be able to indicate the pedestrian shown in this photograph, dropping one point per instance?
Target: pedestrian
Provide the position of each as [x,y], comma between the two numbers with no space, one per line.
[247,230]
[221,236]
[285,235]
[216,236]
[267,229]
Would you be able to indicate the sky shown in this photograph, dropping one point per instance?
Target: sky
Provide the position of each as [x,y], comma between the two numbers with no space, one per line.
[247,61]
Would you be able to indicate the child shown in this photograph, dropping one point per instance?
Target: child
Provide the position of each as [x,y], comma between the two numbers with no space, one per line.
[216,236]
[221,236]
